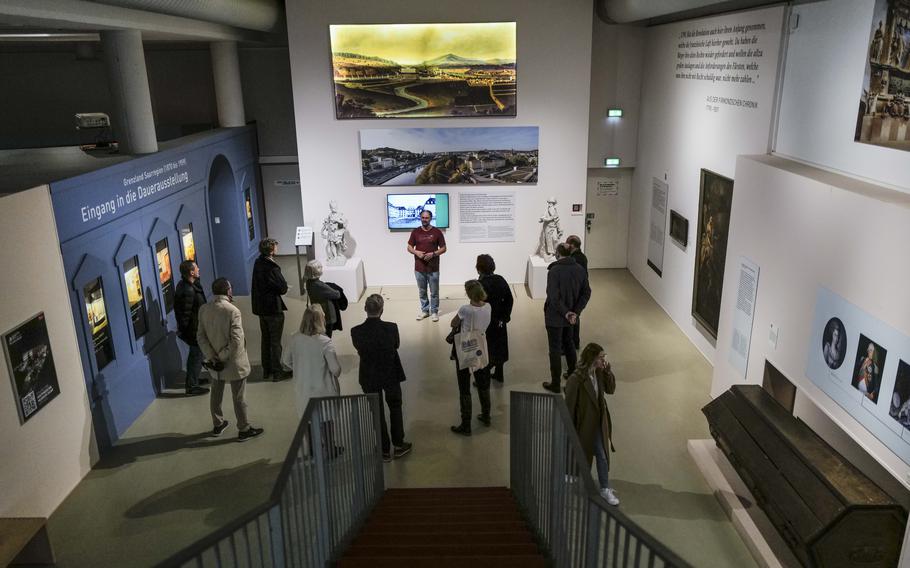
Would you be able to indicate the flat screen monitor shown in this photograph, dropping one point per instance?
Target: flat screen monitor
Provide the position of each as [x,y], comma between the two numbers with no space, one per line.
[403,209]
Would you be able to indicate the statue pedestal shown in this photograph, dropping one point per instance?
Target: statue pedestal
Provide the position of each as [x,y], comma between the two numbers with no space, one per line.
[537,276]
[349,276]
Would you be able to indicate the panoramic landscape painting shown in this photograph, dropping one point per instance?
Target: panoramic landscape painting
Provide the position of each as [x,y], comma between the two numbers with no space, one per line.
[424,70]
[426,156]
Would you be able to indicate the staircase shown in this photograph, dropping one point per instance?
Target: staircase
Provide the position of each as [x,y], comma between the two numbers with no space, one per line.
[442,528]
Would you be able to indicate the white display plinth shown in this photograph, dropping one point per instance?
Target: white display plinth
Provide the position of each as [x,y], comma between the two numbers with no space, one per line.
[761,538]
[537,277]
[349,277]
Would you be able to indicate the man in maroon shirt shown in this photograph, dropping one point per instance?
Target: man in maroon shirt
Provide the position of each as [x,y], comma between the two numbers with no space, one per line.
[426,244]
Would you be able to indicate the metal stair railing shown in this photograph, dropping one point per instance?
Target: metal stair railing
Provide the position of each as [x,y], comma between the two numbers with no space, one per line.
[551,480]
[331,480]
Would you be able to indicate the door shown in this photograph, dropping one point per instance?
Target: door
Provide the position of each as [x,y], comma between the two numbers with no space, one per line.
[607,218]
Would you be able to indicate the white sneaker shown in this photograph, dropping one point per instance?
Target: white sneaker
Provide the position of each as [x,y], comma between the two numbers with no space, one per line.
[610,495]
[434,317]
[422,315]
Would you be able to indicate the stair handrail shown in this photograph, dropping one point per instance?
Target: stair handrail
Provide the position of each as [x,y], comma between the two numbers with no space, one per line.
[552,483]
[320,499]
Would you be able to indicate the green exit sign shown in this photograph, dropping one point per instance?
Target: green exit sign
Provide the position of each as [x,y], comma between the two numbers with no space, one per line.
[611,162]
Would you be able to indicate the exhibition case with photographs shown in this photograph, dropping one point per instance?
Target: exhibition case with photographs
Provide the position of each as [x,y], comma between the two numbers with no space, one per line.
[862,364]
[31,365]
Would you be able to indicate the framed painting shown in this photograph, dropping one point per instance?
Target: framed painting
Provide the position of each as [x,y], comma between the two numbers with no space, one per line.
[714,204]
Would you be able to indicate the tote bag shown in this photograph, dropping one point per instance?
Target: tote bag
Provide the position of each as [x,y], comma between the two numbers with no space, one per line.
[471,350]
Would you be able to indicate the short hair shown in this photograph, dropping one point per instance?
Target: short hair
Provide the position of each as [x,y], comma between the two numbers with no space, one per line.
[221,286]
[186,267]
[373,305]
[562,249]
[428,212]
[474,290]
[588,354]
[313,322]
[267,245]
[574,241]
[485,264]
[313,270]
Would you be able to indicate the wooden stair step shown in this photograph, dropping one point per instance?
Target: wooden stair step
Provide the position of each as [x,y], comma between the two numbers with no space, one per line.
[398,539]
[445,516]
[436,550]
[449,491]
[407,508]
[518,561]
[418,528]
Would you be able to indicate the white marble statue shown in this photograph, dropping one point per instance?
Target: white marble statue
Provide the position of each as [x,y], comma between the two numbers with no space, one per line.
[550,231]
[333,231]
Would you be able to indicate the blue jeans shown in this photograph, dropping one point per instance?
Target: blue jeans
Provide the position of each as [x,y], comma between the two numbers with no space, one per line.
[603,461]
[431,278]
[193,366]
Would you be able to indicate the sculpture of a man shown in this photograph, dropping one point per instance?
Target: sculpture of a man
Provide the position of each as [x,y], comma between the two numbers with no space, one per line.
[333,231]
[550,231]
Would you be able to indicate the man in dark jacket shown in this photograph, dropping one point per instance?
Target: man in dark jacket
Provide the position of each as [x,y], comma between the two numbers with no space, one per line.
[268,287]
[188,298]
[575,247]
[568,293]
[376,342]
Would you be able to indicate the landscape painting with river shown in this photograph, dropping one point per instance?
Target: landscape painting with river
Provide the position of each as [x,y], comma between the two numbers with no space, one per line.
[424,70]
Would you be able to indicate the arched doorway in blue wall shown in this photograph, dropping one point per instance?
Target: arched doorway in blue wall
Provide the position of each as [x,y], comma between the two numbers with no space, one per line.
[225,203]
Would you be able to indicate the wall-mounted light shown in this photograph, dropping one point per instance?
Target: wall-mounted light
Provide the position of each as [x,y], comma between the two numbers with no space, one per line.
[611,162]
[614,113]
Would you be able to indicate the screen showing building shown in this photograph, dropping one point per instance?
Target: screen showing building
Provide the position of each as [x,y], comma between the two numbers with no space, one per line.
[404,209]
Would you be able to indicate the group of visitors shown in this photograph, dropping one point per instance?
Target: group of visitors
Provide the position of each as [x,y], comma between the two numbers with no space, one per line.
[214,334]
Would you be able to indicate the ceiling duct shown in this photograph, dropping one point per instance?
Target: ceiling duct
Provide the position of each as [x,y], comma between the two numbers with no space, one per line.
[259,15]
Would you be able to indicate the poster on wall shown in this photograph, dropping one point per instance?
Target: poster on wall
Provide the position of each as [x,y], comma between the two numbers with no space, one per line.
[248,207]
[31,366]
[714,204]
[860,362]
[657,235]
[439,156]
[743,317]
[884,104]
[133,282]
[99,325]
[165,274]
[189,246]
[424,70]
[486,217]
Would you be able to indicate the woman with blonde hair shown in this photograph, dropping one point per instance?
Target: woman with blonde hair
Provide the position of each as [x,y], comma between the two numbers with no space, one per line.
[586,391]
[470,317]
[311,354]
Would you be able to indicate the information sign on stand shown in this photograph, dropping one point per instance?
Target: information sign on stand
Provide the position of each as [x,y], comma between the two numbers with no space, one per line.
[302,238]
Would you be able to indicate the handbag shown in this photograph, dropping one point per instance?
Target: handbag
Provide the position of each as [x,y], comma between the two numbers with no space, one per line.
[450,338]
[471,350]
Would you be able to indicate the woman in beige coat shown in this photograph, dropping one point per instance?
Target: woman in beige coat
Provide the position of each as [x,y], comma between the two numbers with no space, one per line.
[586,392]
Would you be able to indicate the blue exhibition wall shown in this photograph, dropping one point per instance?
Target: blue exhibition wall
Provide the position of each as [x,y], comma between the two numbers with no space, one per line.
[124,230]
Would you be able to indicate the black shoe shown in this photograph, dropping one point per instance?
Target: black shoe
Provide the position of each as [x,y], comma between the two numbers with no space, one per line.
[387,457]
[281,376]
[485,419]
[203,380]
[219,430]
[553,389]
[268,378]
[403,450]
[249,433]
[196,391]
[463,429]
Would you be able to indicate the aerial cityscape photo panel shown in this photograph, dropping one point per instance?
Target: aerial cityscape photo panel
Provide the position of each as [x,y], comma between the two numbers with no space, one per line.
[424,70]
[428,156]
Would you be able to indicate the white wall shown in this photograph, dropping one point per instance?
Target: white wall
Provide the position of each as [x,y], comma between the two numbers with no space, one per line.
[678,136]
[616,71]
[779,204]
[554,61]
[42,460]
[826,62]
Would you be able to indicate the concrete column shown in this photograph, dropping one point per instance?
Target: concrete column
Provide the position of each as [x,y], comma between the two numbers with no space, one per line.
[228,93]
[133,121]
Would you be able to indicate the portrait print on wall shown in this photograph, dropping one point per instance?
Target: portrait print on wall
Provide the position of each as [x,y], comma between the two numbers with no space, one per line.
[867,373]
[900,399]
[424,70]
[714,204]
[884,104]
[31,366]
[834,343]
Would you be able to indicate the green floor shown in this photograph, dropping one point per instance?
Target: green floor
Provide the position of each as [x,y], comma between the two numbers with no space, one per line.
[167,484]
